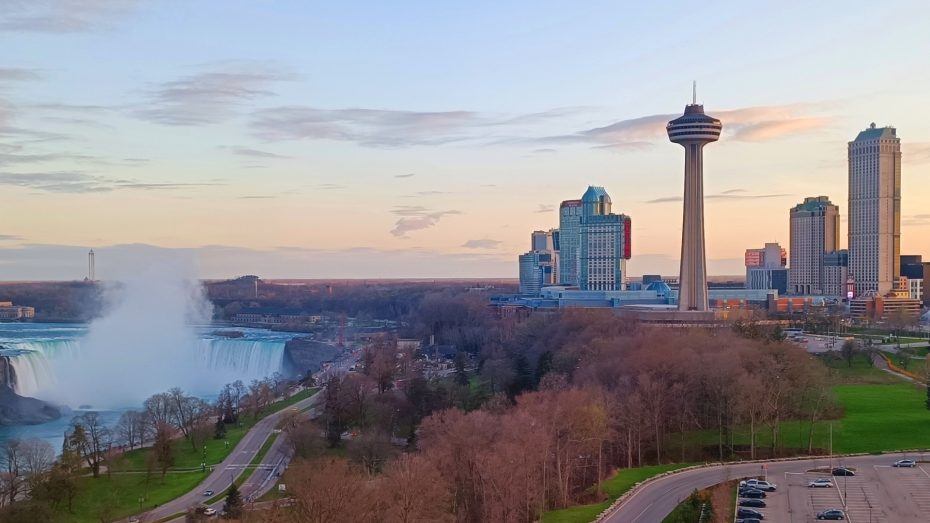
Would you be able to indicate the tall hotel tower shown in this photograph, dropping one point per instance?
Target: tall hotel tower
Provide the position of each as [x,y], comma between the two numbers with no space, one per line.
[875,210]
[693,131]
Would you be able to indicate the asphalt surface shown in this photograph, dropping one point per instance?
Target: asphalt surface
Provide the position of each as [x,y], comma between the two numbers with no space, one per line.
[274,461]
[657,499]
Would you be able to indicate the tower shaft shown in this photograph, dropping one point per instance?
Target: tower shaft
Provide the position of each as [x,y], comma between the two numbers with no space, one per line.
[692,278]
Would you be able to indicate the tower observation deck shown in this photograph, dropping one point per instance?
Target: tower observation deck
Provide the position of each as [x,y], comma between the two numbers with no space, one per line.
[693,131]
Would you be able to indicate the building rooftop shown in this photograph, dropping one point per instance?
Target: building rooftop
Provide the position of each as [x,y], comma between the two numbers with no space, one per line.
[875,133]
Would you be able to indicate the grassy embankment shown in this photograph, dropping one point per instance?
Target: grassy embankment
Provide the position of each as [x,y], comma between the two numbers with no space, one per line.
[614,488]
[119,495]
[881,413]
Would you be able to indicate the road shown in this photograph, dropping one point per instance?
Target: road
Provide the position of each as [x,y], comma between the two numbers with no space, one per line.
[224,473]
[657,499]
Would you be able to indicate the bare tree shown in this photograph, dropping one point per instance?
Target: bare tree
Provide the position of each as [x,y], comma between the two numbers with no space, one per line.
[91,439]
[129,428]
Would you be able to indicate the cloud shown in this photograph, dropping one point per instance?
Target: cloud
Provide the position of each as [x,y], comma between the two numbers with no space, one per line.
[420,194]
[10,238]
[62,16]
[255,153]
[408,175]
[732,194]
[916,220]
[7,159]
[329,187]
[916,152]
[367,127]
[481,244]
[751,124]
[15,74]
[415,218]
[209,97]
[78,182]
[544,208]
[546,150]
[257,197]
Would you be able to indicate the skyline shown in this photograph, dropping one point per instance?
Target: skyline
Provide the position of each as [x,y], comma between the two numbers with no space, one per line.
[360,141]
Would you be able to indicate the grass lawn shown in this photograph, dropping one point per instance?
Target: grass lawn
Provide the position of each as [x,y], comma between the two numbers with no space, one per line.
[118,496]
[614,488]
[861,371]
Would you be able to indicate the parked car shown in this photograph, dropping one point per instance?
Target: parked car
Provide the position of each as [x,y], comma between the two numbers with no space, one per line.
[821,483]
[743,512]
[748,520]
[758,484]
[751,493]
[905,463]
[843,471]
[208,493]
[209,511]
[754,503]
[832,513]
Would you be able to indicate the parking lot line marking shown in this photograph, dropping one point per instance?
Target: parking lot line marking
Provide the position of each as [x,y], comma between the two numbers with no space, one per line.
[924,471]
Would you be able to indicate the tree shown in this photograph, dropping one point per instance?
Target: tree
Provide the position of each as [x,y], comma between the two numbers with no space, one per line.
[543,366]
[370,450]
[36,458]
[162,454]
[461,378]
[233,508]
[11,480]
[90,439]
[129,428]
[848,350]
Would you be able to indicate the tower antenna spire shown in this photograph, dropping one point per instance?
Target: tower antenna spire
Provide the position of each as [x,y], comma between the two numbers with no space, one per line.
[694,91]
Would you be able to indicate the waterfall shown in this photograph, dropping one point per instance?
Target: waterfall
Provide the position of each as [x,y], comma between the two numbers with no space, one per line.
[242,359]
[222,360]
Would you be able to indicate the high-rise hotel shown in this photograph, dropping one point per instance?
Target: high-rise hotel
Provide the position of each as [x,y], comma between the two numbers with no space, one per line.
[815,231]
[875,210]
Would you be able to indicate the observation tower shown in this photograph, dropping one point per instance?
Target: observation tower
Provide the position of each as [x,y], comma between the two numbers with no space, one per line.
[693,131]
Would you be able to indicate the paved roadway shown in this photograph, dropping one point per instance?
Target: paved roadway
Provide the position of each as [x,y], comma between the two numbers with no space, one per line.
[224,473]
[657,499]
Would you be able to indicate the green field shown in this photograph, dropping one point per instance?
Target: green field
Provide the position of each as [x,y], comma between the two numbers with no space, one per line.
[118,496]
[881,413]
[614,488]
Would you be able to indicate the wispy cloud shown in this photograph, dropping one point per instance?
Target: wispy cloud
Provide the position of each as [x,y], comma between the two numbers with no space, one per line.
[10,238]
[420,194]
[16,74]
[732,194]
[78,182]
[62,16]
[751,124]
[481,244]
[916,220]
[545,208]
[408,175]
[415,218]
[256,153]
[329,187]
[209,97]
[916,152]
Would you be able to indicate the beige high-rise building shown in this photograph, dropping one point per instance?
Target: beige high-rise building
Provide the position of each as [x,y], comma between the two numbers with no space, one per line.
[815,231]
[875,210]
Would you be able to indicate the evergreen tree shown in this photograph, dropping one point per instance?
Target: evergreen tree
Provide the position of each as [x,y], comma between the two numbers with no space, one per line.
[219,431]
[523,376]
[233,509]
[543,366]
[460,376]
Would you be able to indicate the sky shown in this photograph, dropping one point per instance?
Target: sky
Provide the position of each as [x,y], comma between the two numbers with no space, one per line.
[311,139]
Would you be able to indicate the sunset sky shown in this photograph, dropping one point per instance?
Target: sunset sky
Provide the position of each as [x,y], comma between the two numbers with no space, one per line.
[312,139]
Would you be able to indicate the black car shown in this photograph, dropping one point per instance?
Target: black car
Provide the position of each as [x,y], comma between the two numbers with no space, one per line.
[843,471]
[748,513]
[831,514]
[751,494]
[755,503]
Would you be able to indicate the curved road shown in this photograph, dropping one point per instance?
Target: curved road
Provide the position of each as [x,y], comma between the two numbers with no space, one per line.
[657,499]
[237,461]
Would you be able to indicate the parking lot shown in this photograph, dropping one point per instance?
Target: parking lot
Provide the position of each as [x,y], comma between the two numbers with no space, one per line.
[876,494]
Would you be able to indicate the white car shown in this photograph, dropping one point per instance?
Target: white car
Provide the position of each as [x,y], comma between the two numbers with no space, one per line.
[820,483]
[209,511]
[758,484]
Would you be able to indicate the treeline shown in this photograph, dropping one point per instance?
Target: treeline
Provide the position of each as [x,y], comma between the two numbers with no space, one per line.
[551,406]
[56,301]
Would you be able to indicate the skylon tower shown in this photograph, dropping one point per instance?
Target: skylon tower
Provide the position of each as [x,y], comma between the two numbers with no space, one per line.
[693,131]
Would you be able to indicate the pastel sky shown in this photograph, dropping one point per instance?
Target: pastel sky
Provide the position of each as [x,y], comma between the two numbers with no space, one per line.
[313,139]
